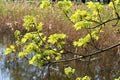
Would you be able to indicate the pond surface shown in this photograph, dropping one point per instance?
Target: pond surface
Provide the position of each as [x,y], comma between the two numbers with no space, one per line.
[104,67]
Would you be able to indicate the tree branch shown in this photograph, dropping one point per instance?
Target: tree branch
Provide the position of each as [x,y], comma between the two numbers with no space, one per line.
[89,55]
[117,18]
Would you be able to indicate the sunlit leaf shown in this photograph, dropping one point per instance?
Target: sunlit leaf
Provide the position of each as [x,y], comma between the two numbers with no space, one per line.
[79,78]
[21,54]
[17,34]
[58,57]
[65,5]
[69,71]
[29,21]
[8,51]
[45,4]
[39,27]
[55,37]
[86,78]
[117,78]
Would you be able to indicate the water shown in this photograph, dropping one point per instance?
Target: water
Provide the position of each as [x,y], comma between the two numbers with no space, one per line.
[104,67]
[19,70]
[4,72]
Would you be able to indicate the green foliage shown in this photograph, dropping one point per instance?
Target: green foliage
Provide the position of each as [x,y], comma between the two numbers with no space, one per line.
[117,78]
[44,48]
[95,8]
[69,72]
[17,34]
[82,25]
[114,3]
[65,5]
[55,38]
[27,36]
[45,4]
[84,19]
[39,27]
[80,15]
[84,41]
[29,21]
[10,49]
[84,78]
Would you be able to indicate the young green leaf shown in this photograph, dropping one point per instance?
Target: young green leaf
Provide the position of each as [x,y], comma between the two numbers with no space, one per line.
[55,38]
[39,27]
[29,21]
[45,4]
[78,78]
[82,24]
[8,51]
[17,34]
[21,54]
[58,56]
[65,5]
[117,78]
[69,72]
[86,78]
